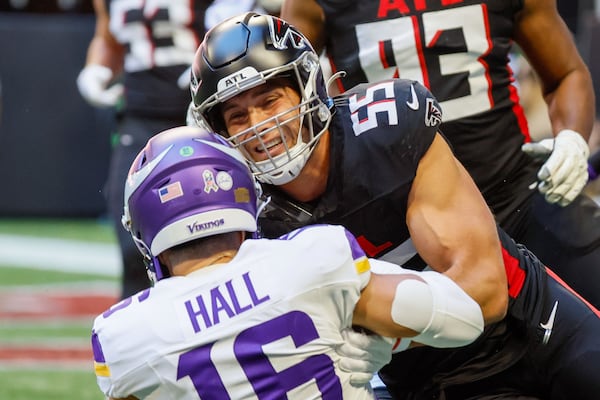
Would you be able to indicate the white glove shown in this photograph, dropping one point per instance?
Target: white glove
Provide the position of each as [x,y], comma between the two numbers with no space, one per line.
[93,83]
[363,355]
[565,172]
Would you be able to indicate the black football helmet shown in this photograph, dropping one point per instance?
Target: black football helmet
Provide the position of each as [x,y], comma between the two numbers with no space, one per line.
[245,51]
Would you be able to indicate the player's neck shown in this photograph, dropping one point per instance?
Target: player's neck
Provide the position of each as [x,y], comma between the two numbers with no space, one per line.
[188,266]
[221,258]
[312,181]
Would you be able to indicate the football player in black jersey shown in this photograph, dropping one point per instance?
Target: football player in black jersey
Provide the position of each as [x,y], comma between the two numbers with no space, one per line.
[460,51]
[374,160]
[134,64]
[138,60]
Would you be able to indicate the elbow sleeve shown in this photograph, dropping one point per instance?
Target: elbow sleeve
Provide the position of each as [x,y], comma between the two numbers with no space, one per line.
[439,309]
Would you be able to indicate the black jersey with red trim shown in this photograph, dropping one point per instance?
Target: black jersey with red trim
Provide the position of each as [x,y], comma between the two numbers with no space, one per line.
[160,40]
[378,134]
[377,141]
[459,49]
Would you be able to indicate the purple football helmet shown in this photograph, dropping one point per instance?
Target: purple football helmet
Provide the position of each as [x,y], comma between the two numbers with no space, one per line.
[185,184]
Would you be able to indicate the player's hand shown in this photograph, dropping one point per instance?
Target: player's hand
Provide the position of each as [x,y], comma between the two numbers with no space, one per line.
[363,355]
[565,172]
[94,85]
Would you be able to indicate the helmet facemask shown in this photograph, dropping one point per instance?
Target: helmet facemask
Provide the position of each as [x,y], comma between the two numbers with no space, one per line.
[154,269]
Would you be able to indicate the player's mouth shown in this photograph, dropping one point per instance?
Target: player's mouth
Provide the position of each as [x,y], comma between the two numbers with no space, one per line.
[272,147]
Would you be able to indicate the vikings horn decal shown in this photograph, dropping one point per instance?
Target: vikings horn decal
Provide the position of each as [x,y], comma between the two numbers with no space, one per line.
[283,36]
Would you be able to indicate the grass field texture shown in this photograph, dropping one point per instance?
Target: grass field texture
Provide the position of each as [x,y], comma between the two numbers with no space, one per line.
[46,317]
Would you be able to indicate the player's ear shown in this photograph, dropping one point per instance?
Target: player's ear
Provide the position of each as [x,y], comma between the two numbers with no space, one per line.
[164,257]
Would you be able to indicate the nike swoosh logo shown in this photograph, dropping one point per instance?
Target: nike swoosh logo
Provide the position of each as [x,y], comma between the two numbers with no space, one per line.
[549,324]
[414,101]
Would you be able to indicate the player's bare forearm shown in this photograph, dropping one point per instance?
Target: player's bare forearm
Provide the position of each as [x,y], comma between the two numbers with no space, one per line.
[373,308]
[571,105]
[426,303]
[104,48]
[566,81]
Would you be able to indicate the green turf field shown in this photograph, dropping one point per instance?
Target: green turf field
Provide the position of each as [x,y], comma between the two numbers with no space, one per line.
[78,332]
[93,230]
[48,382]
[31,384]
[10,276]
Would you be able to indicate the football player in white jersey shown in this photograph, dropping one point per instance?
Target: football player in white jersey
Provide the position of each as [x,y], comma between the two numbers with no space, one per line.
[258,318]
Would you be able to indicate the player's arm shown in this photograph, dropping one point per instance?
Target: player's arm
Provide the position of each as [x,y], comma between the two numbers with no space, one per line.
[454,231]
[105,57]
[308,17]
[566,81]
[568,92]
[126,398]
[426,306]
[104,49]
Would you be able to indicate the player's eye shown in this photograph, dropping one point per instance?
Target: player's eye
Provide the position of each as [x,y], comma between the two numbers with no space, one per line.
[235,117]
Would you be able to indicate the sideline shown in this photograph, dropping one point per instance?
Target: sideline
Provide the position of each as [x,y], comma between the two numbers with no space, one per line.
[60,255]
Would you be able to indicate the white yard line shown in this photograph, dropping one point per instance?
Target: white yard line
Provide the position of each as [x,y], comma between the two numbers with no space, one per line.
[60,254]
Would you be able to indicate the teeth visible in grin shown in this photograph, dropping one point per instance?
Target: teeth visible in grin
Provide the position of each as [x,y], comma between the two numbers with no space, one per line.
[272,143]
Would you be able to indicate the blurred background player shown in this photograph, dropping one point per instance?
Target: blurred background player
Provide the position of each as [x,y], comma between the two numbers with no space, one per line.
[460,51]
[245,319]
[373,160]
[138,61]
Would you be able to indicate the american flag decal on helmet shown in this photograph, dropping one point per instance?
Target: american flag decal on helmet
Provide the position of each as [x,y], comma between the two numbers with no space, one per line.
[283,36]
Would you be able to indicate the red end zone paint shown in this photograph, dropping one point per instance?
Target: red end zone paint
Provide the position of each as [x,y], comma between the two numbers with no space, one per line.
[34,353]
[43,306]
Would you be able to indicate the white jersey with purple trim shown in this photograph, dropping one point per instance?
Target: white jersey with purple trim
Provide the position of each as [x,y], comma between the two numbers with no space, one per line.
[263,326]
